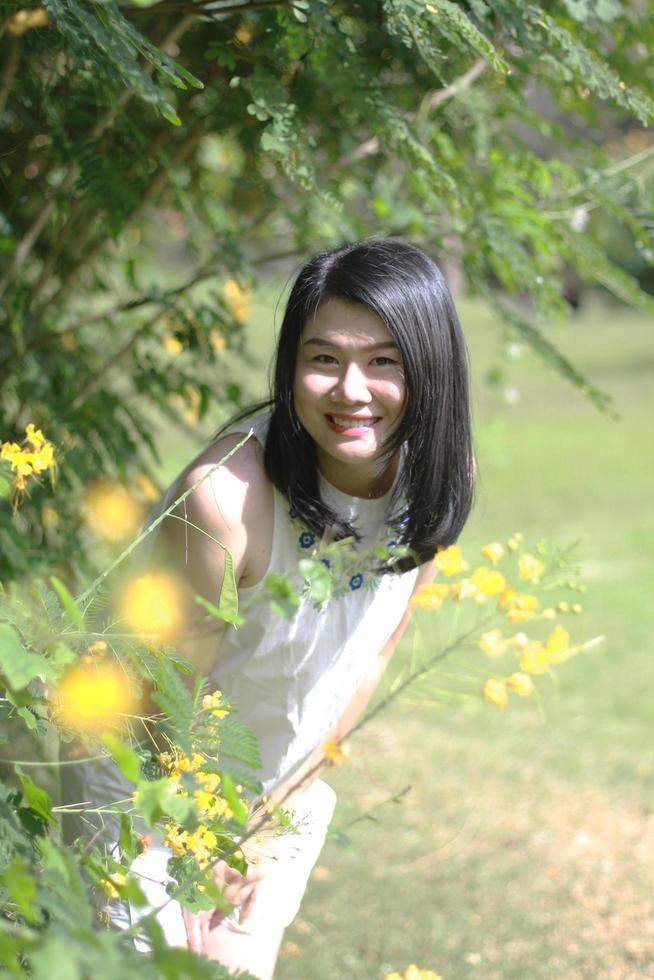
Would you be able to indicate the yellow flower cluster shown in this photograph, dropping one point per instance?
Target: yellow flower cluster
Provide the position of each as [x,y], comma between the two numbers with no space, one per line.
[112,512]
[31,460]
[413,972]
[237,300]
[534,657]
[115,881]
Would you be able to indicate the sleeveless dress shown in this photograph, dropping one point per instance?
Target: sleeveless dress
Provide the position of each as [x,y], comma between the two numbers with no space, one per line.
[290,681]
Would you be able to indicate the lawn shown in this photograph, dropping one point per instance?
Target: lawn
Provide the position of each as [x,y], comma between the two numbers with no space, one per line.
[524,847]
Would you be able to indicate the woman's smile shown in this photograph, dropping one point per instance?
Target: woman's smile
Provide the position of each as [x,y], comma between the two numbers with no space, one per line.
[349,392]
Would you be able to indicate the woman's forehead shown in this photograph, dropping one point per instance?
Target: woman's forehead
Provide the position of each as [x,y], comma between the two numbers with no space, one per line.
[338,320]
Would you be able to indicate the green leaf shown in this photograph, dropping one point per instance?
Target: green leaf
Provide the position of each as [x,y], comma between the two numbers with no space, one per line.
[155,799]
[17,664]
[28,717]
[36,798]
[283,598]
[21,885]
[317,577]
[125,758]
[68,603]
[228,602]
[235,803]
[218,613]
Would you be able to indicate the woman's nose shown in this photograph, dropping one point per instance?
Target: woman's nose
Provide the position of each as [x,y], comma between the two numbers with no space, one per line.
[353,385]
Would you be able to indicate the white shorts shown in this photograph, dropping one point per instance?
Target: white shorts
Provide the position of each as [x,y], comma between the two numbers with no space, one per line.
[286,861]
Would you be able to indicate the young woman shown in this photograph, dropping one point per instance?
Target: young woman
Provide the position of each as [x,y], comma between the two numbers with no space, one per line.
[367,436]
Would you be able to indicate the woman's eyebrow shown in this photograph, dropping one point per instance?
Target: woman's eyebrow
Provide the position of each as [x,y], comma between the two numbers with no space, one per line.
[321,342]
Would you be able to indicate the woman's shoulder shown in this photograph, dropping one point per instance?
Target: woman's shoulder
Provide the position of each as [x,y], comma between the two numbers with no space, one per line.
[231,486]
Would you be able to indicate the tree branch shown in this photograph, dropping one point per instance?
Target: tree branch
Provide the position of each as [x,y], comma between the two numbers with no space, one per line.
[431,101]
[9,71]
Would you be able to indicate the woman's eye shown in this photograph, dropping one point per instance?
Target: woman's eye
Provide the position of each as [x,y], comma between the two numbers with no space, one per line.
[383,361]
[324,359]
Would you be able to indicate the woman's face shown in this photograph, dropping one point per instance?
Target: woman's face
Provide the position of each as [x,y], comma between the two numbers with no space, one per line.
[349,393]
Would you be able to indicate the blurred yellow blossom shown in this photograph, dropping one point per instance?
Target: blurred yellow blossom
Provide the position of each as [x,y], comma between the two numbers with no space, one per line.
[430,596]
[336,752]
[534,658]
[111,884]
[413,972]
[563,607]
[237,300]
[530,568]
[488,581]
[514,541]
[463,589]
[521,684]
[111,512]
[495,692]
[577,607]
[493,552]
[92,697]
[493,643]
[147,487]
[172,345]
[520,606]
[24,20]
[218,342]
[549,613]
[152,604]
[519,640]
[450,561]
[558,645]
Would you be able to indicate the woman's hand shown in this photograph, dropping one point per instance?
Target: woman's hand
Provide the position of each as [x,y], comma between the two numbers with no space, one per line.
[238,890]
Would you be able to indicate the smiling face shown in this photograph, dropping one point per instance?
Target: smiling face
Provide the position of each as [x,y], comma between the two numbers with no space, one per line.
[349,394]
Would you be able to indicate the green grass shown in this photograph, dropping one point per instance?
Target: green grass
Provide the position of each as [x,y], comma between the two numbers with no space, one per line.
[524,848]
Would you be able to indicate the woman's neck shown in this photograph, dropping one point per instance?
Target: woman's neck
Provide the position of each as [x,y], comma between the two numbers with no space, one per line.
[365,482]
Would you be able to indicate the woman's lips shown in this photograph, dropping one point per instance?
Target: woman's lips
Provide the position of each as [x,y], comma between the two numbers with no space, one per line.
[351,424]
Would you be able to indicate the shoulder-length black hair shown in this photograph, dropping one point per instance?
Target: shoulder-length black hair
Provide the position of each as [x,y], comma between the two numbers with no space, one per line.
[433,493]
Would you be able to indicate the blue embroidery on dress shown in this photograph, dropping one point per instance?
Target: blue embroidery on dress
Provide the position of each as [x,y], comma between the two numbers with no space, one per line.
[307,539]
[356,581]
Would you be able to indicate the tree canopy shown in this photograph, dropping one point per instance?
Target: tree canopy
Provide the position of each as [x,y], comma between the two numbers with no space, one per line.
[154,151]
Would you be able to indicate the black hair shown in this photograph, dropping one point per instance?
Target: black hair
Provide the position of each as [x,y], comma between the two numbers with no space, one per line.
[432,495]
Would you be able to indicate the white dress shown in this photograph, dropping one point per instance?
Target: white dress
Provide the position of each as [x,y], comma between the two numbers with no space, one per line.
[290,681]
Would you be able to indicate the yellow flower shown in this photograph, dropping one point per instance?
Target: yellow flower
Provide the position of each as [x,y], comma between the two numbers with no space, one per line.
[117,878]
[558,645]
[212,702]
[549,613]
[430,596]
[493,643]
[147,487]
[577,607]
[25,20]
[237,300]
[534,658]
[487,581]
[152,604]
[172,345]
[93,697]
[521,683]
[519,640]
[34,436]
[530,568]
[111,512]
[495,692]
[492,552]
[336,752]
[217,341]
[521,607]
[463,589]
[413,972]
[450,561]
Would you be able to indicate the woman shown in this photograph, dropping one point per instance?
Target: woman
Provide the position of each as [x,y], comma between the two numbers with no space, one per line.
[367,435]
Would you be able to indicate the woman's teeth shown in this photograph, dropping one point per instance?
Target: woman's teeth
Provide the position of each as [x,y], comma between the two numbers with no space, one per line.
[351,423]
